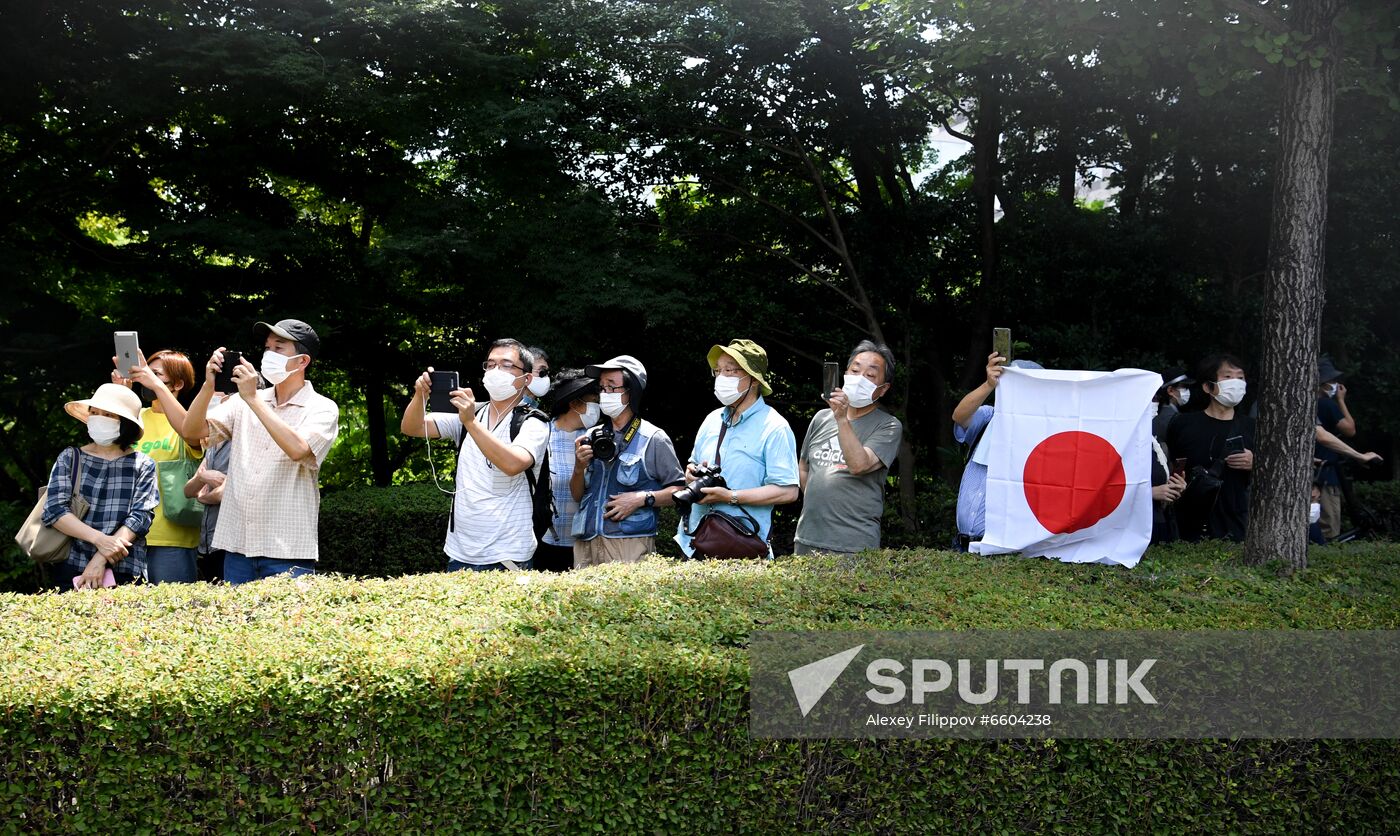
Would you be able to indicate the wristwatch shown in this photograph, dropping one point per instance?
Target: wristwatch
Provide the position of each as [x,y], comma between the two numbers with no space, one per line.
[733,497]
[650,500]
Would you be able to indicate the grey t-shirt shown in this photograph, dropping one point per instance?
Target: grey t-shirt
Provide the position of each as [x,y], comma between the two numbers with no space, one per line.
[842,512]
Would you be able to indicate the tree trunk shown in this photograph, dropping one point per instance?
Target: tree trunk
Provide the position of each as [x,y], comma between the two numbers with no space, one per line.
[985,181]
[379,467]
[1139,133]
[1293,301]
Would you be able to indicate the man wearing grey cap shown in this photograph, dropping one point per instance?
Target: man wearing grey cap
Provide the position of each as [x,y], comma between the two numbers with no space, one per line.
[621,479]
[278,437]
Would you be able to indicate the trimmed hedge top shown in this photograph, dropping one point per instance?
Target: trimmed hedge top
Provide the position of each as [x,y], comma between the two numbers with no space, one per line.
[216,643]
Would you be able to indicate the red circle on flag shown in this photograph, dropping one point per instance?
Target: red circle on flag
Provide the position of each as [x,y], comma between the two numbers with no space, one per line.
[1072,480]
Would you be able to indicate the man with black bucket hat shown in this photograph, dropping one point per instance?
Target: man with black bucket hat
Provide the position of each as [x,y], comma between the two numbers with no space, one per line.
[278,438]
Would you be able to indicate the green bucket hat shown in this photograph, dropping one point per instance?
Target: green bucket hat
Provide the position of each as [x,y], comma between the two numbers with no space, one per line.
[751,358]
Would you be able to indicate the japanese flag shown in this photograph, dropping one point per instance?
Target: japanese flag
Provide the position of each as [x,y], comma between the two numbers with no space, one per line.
[1068,459]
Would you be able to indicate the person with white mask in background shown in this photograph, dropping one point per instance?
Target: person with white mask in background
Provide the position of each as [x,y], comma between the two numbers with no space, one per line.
[1170,398]
[278,437]
[541,383]
[1217,444]
[624,470]
[845,457]
[501,448]
[751,443]
[574,410]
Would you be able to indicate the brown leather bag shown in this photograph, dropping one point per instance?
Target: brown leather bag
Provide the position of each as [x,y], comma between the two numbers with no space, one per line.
[726,536]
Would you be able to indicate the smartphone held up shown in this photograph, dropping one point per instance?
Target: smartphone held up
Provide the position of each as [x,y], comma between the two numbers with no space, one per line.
[1001,344]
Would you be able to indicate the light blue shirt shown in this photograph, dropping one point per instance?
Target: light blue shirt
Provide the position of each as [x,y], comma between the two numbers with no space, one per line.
[972,493]
[759,450]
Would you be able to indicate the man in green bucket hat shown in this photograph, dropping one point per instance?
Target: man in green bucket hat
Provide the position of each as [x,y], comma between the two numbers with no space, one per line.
[753,445]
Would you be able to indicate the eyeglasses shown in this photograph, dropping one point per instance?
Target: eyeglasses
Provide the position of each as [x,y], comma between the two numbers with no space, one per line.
[613,389]
[505,365]
[729,373]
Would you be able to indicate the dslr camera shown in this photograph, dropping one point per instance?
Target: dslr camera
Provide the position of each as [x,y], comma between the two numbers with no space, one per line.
[705,477]
[600,438]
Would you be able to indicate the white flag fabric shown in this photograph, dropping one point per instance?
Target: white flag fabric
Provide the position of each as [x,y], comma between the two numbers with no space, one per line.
[1069,471]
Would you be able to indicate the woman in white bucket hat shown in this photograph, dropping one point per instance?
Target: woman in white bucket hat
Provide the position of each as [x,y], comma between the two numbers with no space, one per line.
[119,485]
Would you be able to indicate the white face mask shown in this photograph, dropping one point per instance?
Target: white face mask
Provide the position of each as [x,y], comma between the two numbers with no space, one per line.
[1314,512]
[859,390]
[539,387]
[1331,390]
[727,389]
[1183,397]
[274,367]
[102,429]
[591,411]
[499,383]
[611,404]
[1230,392]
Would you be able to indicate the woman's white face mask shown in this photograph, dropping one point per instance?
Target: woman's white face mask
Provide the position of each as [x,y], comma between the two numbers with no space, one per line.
[590,414]
[539,387]
[103,430]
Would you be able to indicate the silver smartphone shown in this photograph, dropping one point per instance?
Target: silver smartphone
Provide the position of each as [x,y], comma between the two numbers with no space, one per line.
[128,351]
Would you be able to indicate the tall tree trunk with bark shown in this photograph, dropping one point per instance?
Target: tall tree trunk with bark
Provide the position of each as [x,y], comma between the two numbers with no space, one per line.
[1293,301]
[986,177]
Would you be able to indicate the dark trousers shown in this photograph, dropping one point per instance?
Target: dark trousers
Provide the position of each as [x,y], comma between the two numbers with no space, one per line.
[554,558]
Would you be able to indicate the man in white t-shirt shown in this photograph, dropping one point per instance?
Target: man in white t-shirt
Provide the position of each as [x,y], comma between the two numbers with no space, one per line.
[492,512]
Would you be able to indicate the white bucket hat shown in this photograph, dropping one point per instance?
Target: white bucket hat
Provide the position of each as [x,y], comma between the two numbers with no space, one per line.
[112,397]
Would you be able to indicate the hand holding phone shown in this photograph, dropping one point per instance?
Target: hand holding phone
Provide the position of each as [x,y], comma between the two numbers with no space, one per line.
[223,380]
[1234,444]
[440,394]
[1178,467]
[831,379]
[1001,343]
[128,351]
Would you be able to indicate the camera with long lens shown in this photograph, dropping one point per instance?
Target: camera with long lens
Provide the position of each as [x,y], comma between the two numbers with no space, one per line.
[600,438]
[705,477]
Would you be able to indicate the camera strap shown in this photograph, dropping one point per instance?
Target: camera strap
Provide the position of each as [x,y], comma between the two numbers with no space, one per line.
[723,427]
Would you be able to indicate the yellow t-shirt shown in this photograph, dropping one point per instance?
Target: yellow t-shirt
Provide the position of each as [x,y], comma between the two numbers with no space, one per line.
[160,441]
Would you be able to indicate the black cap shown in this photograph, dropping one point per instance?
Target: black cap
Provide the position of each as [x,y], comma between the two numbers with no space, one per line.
[1327,370]
[1176,377]
[290,329]
[568,390]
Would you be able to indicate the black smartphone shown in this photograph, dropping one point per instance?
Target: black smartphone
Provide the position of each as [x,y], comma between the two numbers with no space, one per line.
[1234,444]
[223,379]
[1179,467]
[440,396]
[1001,343]
[128,350]
[831,379]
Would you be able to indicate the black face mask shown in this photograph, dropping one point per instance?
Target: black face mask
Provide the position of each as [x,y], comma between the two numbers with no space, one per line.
[145,393]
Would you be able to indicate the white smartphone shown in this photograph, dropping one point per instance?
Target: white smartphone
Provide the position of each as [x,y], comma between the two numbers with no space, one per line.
[128,352]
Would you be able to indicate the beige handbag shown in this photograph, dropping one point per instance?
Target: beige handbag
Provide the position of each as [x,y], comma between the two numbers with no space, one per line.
[41,542]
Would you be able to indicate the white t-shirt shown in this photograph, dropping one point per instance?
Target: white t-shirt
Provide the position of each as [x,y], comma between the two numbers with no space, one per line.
[493,512]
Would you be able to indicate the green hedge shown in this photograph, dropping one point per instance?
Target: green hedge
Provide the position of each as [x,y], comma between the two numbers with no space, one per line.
[1383,499]
[615,699]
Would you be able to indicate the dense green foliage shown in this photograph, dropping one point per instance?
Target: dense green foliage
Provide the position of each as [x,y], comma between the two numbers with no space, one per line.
[416,177]
[616,699]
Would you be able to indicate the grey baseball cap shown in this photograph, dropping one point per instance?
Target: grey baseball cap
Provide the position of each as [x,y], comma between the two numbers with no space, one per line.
[624,363]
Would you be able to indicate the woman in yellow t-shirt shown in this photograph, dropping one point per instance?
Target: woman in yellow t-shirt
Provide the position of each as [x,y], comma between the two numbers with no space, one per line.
[170,548]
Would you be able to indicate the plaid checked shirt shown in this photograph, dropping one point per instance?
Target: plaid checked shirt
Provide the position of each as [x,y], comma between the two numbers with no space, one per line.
[122,492]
